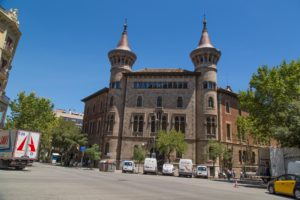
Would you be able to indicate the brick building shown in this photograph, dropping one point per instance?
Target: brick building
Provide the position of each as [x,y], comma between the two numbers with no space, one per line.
[138,104]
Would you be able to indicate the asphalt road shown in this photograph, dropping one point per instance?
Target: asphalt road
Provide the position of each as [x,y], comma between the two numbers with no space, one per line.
[42,182]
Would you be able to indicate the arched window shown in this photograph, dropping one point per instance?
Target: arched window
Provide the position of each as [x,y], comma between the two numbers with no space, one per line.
[110,122]
[210,102]
[179,102]
[139,101]
[159,101]
[111,102]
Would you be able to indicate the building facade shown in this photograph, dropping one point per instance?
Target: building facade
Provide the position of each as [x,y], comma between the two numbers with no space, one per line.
[71,116]
[140,103]
[9,38]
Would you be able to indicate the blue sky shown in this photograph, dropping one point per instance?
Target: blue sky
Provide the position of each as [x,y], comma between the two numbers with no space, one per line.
[62,54]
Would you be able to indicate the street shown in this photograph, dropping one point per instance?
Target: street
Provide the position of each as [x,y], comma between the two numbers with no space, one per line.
[41,182]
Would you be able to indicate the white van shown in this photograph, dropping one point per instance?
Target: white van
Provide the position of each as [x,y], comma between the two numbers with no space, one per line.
[186,167]
[128,166]
[150,165]
[201,171]
[168,169]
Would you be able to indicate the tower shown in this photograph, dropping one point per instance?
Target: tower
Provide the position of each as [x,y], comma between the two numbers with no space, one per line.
[205,58]
[121,59]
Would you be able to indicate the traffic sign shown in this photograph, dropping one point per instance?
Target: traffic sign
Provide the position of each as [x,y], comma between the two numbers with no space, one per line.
[82,148]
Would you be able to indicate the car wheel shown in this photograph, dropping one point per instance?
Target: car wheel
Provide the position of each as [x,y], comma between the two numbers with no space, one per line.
[297,194]
[271,189]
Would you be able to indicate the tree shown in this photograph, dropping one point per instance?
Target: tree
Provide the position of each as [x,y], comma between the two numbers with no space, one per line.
[67,137]
[215,151]
[168,142]
[32,113]
[273,103]
[139,155]
[93,153]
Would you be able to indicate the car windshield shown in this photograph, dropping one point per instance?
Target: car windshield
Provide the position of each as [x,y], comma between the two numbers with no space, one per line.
[128,164]
[201,168]
[168,165]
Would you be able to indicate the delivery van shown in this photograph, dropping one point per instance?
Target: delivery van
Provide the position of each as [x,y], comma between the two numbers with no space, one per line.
[150,166]
[186,168]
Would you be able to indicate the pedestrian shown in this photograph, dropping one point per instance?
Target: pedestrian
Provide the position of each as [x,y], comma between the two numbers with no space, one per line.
[228,174]
[241,175]
[233,173]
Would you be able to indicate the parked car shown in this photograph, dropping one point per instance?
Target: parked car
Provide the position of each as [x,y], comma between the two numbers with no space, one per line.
[287,184]
[201,171]
[186,168]
[128,166]
[168,169]
[150,166]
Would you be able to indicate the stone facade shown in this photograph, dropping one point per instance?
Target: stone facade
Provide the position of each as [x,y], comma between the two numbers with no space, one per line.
[140,103]
[9,38]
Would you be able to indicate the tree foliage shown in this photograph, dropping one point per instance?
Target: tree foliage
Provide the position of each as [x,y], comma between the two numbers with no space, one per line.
[139,154]
[168,142]
[32,113]
[273,103]
[66,137]
[93,153]
[218,151]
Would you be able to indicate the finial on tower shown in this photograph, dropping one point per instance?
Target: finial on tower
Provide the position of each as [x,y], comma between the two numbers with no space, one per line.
[204,23]
[125,26]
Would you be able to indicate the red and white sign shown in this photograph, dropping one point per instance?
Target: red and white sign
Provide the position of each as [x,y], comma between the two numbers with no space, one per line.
[4,140]
[27,144]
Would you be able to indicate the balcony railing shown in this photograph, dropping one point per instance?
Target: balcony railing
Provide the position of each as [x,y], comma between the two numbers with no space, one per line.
[5,99]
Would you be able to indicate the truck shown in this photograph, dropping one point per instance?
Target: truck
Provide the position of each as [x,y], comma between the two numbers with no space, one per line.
[186,168]
[275,161]
[18,148]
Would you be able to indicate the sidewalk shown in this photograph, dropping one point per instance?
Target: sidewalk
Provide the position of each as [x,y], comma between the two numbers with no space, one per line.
[245,183]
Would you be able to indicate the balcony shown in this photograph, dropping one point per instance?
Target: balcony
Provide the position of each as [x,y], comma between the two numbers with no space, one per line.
[8,49]
[4,99]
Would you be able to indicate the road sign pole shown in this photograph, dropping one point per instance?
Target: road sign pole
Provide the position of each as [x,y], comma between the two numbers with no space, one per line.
[82,154]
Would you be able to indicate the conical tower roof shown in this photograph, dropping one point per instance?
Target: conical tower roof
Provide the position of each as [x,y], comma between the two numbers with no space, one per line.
[123,43]
[205,40]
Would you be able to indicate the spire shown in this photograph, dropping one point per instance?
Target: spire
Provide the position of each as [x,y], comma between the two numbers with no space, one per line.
[123,43]
[205,41]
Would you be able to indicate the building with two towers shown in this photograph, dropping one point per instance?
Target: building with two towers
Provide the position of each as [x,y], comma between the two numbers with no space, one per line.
[137,104]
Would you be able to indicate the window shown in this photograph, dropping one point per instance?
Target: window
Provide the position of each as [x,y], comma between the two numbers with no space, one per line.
[111,102]
[106,151]
[253,158]
[4,63]
[228,133]
[94,106]
[240,156]
[159,102]
[138,123]
[180,123]
[210,102]
[139,101]
[87,111]
[227,107]
[164,123]
[211,127]
[205,85]
[155,85]
[152,124]
[179,102]
[110,122]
